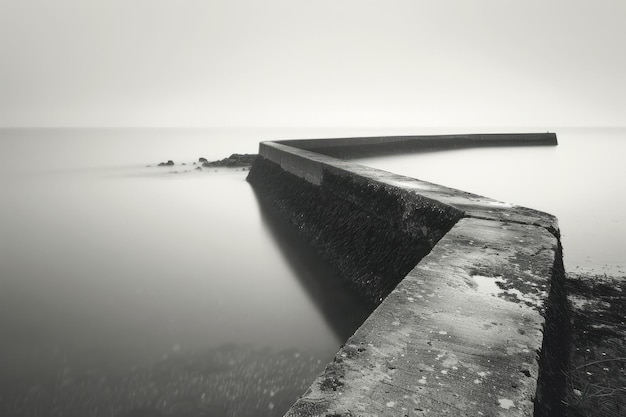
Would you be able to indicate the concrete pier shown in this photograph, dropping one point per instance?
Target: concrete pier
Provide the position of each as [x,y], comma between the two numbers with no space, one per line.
[468,307]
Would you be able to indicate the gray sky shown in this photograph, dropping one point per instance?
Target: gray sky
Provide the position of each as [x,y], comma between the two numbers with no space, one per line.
[312,63]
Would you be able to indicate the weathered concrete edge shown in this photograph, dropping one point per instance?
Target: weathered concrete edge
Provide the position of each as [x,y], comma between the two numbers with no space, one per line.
[311,165]
[352,393]
[360,146]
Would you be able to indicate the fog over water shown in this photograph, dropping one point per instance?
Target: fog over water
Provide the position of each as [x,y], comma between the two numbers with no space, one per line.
[107,263]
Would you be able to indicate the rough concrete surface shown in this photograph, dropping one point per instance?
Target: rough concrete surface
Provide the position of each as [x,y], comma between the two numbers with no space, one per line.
[449,340]
[462,333]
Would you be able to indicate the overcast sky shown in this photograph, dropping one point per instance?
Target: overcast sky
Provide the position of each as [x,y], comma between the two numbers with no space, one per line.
[312,63]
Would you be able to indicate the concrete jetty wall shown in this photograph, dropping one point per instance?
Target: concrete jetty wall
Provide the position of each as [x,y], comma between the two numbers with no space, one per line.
[382,145]
[463,287]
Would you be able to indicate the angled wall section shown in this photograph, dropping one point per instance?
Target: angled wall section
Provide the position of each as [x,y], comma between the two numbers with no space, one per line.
[461,284]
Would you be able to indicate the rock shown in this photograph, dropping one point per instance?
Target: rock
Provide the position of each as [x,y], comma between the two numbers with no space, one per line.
[235,160]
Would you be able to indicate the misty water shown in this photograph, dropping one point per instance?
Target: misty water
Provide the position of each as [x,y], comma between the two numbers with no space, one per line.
[127,288]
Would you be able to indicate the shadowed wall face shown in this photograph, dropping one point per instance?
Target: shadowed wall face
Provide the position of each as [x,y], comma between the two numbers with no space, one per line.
[372,235]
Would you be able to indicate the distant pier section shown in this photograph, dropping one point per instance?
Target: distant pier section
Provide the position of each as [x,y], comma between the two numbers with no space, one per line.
[385,145]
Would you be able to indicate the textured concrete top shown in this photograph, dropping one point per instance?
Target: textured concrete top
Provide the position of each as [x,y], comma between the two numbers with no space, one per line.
[460,334]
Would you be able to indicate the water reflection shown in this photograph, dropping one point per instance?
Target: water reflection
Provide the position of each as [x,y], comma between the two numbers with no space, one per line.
[104,272]
[340,305]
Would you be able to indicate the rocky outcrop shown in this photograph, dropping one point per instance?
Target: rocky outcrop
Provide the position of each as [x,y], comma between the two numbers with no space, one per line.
[235,160]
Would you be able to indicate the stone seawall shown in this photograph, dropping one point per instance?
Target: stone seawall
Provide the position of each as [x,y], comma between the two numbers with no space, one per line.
[465,286]
[385,145]
[372,234]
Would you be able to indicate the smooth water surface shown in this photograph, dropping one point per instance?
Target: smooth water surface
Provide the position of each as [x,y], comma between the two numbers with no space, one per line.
[109,269]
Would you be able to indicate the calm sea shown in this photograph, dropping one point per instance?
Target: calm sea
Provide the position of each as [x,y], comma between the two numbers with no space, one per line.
[120,283]
[129,289]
